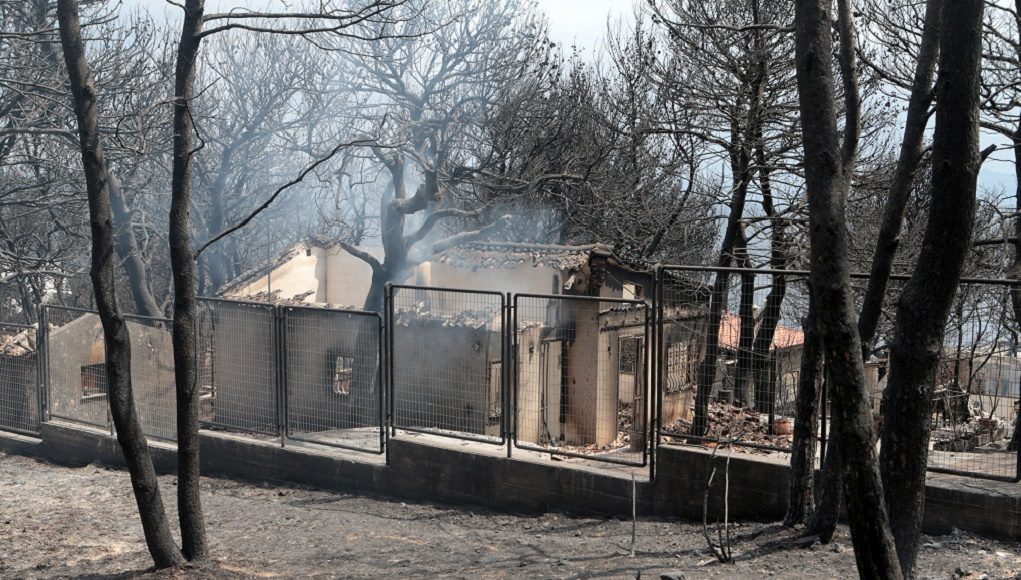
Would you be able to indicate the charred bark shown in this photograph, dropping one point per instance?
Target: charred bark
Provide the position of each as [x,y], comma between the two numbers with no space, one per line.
[743,379]
[127,249]
[718,299]
[132,441]
[801,491]
[829,165]
[765,381]
[1015,291]
[831,492]
[189,508]
[924,306]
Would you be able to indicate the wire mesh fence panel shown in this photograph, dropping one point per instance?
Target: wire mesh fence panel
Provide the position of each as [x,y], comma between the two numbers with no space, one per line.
[19,395]
[446,351]
[76,374]
[581,377]
[75,357]
[238,366]
[977,386]
[333,377]
[152,376]
[729,342]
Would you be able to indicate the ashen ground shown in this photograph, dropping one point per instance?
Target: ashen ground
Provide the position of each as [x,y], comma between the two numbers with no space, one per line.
[59,522]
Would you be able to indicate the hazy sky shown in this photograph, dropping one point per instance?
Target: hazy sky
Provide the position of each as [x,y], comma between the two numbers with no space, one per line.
[582,23]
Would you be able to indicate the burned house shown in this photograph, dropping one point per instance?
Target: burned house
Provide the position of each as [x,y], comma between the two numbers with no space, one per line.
[783,363]
[580,350]
[581,333]
[317,271]
[331,356]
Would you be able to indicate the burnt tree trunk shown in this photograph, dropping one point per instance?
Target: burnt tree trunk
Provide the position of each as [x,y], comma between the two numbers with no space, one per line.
[182,260]
[127,249]
[831,491]
[801,491]
[743,380]
[155,526]
[925,304]
[893,214]
[706,374]
[762,372]
[829,165]
[765,381]
[1015,291]
[718,298]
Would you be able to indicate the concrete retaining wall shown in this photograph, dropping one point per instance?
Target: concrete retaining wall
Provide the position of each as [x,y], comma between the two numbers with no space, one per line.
[483,476]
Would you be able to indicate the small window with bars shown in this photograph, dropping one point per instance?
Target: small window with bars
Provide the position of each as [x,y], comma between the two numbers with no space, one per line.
[93,381]
[342,375]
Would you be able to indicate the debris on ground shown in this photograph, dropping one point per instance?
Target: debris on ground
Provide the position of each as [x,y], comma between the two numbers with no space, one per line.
[729,422]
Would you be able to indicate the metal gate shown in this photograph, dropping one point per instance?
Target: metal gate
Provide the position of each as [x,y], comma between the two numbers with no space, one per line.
[447,349]
[333,377]
[239,366]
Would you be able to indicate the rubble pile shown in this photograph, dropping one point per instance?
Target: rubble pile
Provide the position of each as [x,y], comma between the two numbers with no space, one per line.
[730,422]
[466,318]
[17,343]
[275,298]
[978,432]
[625,418]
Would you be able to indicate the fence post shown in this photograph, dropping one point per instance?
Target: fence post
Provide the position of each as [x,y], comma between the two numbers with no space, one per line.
[388,307]
[42,365]
[509,366]
[381,418]
[656,354]
[279,350]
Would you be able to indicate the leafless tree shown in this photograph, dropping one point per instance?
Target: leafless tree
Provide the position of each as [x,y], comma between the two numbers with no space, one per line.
[925,303]
[829,165]
[118,344]
[429,83]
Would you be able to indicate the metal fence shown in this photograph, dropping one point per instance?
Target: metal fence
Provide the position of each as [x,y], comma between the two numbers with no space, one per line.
[976,388]
[19,393]
[447,352]
[590,377]
[749,360]
[977,385]
[333,377]
[580,376]
[239,366]
[75,370]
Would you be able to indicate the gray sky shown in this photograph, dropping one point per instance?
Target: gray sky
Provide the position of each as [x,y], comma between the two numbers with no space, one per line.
[583,23]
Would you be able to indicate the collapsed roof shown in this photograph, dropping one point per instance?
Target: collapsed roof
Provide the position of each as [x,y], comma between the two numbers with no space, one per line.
[509,255]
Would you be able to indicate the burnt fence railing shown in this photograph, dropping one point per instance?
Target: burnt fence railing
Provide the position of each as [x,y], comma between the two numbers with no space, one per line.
[239,366]
[333,377]
[447,362]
